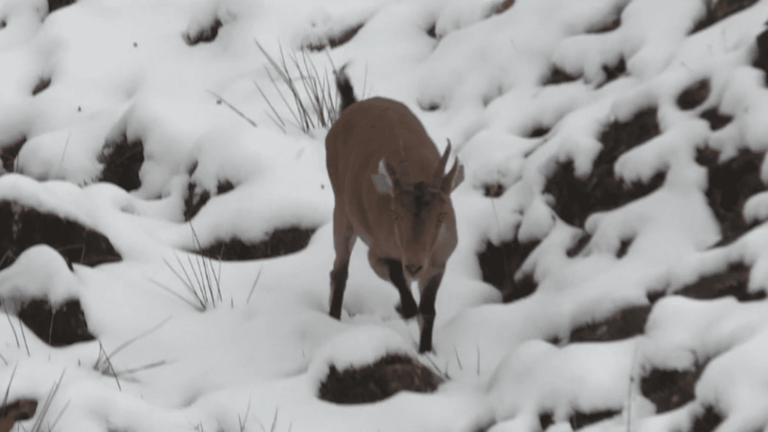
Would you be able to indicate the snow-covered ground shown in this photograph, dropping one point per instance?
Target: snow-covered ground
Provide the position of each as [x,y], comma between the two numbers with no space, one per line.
[473,73]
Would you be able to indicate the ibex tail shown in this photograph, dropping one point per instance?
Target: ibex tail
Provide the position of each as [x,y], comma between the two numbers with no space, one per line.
[345,88]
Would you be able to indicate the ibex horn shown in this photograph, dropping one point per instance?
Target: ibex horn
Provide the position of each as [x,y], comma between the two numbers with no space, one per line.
[441,166]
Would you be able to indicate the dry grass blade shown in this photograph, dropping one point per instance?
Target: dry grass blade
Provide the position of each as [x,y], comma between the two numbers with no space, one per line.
[458,360]
[47,404]
[196,287]
[24,336]
[110,368]
[143,368]
[478,359]
[197,307]
[285,101]
[233,108]
[303,114]
[187,283]
[18,345]
[253,287]
[141,335]
[437,368]
[275,119]
[58,417]
[8,388]
[242,421]
[211,276]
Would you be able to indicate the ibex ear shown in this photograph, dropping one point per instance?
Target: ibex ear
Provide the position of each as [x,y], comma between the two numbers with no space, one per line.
[381,180]
[453,179]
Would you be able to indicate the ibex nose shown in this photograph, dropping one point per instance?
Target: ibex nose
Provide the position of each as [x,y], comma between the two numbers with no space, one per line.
[413,269]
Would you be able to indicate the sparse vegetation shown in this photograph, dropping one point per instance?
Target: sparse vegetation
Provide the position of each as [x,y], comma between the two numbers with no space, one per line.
[311,98]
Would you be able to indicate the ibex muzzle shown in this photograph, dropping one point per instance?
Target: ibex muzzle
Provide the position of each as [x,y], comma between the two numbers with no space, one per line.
[392,191]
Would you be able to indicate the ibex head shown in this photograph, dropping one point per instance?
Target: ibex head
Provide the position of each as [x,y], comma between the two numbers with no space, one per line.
[418,210]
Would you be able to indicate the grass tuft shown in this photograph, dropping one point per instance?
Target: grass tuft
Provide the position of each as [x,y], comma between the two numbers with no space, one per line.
[199,276]
[311,97]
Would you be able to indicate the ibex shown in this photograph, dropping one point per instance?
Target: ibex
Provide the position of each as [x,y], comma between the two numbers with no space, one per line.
[391,191]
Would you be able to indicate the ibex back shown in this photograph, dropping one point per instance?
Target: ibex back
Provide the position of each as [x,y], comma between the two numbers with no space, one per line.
[391,191]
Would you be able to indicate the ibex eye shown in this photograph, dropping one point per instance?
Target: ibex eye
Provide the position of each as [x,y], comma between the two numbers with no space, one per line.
[441,217]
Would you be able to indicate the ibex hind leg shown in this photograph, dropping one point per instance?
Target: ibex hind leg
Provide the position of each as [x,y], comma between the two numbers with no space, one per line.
[343,242]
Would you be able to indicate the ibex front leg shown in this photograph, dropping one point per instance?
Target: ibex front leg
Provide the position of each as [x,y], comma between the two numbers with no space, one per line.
[428,287]
[343,242]
[396,276]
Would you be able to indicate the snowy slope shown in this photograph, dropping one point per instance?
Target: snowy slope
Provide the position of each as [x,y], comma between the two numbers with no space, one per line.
[525,91]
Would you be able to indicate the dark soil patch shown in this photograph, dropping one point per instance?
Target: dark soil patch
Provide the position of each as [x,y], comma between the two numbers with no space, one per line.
[731,183]
[732,282]
[499,265]
[624,248]
[608,27]
[546,420]
[10,413]
[558,76]
[694,95]
[579,246]
[432,31]
[721,10]
[494,190]
[10,152]
[280,242]
[577,198]
[503,6]
[613,72]
[761,61]
[538,132]
[716,119]
[41,85]
[337,40]
[122,162]
[377,381]
[670,389]
[25,227]
[429,105]
[62,326]
[579,420]
[707,421]
[58,4]
[194,202]
[204,35]
[624,324]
